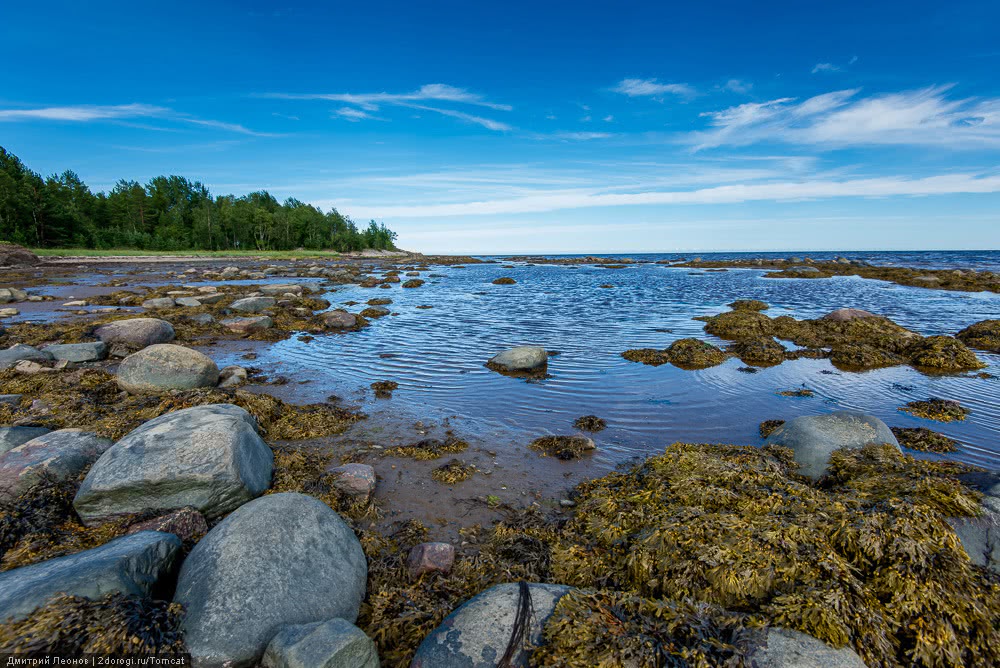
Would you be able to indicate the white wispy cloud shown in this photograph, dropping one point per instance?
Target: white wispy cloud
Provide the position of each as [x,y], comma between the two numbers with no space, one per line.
[86,113]
[824,67]
[738,86]
[352,114]
[842,118]
[652,88]
[427,93]
[889,186]
[487,123]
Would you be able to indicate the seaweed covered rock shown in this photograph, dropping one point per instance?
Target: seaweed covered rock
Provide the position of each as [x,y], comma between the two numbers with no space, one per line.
[648,356]
[762,351]
[504,280]
[847,314]
[163,367]
[136,333]
[984,335]
[590,423]
[813,438]
[923,439]
[19,352]
[57,455]
[563,447]
[749,305]
[279,560]
[207,457]
[944,354]
[941,410]
[860,356]
[520,360]
[694,354]
[335,643]
[740,324]
[130,565]
[497,624]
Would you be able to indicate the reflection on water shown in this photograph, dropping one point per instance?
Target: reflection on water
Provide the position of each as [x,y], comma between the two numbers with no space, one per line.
[437,355]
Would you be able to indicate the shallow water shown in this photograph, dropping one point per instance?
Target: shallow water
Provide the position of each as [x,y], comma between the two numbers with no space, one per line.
[437,355]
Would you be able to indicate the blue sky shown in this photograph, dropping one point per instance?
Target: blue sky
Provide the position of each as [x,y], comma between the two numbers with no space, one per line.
[536,127]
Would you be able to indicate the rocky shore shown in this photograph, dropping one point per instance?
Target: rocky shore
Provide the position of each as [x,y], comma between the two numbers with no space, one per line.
[152,501]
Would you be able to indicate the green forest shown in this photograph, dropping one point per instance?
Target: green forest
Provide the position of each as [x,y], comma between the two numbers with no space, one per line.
[168,213]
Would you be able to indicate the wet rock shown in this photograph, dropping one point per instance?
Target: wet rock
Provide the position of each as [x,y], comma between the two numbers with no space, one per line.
[334,643]
[248,325]
[340,320]
[19,352]
[413,283]
[78,352]
[694,354]
[984,335]
[749,305]
[813,438]
[281,560]
[375,312]
[187,524]
[58,455]
[159,302]
[11,437]
[354,479]
[762,351]
[8,295]
[785,648]
[232,376]
[476,635]
[163,367]
[504,280]
[804,269]
[131,565]
[943,354]
[520,358]
[136,332]
[857,356]
[846,314]
[208,457]
[430,558]
[741,324]
[253,304]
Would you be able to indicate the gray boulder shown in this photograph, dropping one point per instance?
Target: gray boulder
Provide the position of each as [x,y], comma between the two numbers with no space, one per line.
[163,367]
[335,643]
[136,332]
[131,565]
[189,302]
[249,324]
[339,319]
[207,457]
[476,634]
[847,314]
[279,560]
[159,302]
[784,648]
[804,270]
[211,297]
[980,536]
[253,304]
[11,437]
[18,352]
[78,352]
[60,455]
[281,289]
[521,358]
[813,438]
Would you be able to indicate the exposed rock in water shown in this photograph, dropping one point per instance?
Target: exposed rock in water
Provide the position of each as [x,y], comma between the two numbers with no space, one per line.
[984,335]
[342,320]
[942,410]
[413,283]
[131,565]
[384,388]
[335,643]
[944,354]
[504,280]
[923,439]
[207,457]
[163,367]
[477,634]
[590,423]
[57,455]
[813,438]
[847,314]
[686,354]
[563,447]
[859,356]
[749,305]
[742,324]
[375,312]
[520,360]
[280,560]
[136,332]
[763,351]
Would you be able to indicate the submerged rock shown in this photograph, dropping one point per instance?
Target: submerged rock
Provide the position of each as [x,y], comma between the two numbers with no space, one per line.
[136,332]
[163,367]
[207,457]
[520,359]
[335,643]
[477,634]
[813,438]
[131,565]
[57,455]
[279,560]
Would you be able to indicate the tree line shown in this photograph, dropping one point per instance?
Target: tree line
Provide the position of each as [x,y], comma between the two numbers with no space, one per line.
[168,213]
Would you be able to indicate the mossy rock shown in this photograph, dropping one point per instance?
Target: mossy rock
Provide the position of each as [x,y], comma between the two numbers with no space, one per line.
[923,439]
[741,324]
[563,447]
[453,472]
[944,354]
[860,356]
[767,427]
[504,280]
[762,351]
[941,410]
[749,305]
[413,283]
[384,388]
[428,449]
[649,356]
[984,335]
[694,354]
[590,423]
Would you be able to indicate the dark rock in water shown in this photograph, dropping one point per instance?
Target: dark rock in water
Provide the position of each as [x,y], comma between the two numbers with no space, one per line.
[279,560]
[520,359]
[11,437]
[375,312]
[341,320]
[846,314]
[78,352]
[58,455]
[136,332]
[207,457]
[331,644]
[477,634]
[163,367]
[813,438]
[785,648]
[19,352]
[131,565]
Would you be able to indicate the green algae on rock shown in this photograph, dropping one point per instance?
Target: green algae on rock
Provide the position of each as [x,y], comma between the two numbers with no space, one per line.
[686,354]
[761,351]
[941,410]
[749,305]
[944,354]
[741,324]
[984,335]
[923,439]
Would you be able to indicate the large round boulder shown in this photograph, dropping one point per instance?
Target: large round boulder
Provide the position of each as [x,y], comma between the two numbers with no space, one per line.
[813,438]
[207,457]
[164,367]
[279,560]
[520,359]
[136,332]
[57,455]
[476,635]
[12,255]
[847,314]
